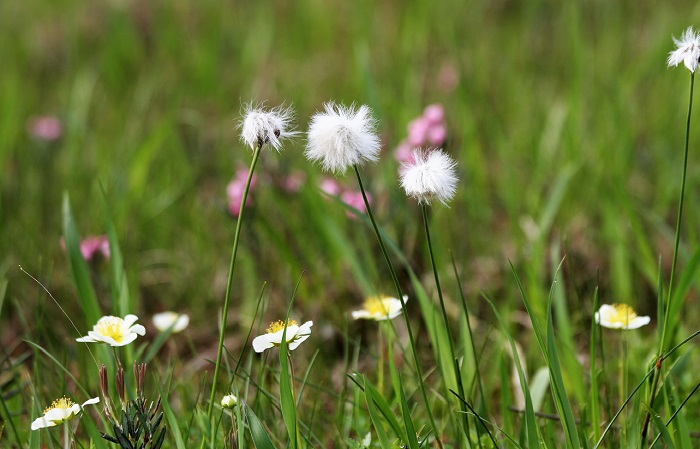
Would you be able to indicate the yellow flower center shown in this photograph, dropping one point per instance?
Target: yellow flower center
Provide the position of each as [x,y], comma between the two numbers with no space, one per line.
[622,314]
[111,327]
[277,326]
[376,306]
[63,403]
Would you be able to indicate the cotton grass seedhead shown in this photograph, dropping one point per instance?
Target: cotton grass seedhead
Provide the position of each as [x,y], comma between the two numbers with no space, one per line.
[271,126]
[687,51]
[341,137]
[430,176]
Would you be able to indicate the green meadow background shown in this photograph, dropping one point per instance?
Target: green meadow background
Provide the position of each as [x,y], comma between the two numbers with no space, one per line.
[567,126]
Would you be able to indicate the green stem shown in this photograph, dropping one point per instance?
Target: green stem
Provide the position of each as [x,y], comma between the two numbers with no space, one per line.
[66,435]
[403,309]
[380,368]
[667,330]
[294,398]
[224,315]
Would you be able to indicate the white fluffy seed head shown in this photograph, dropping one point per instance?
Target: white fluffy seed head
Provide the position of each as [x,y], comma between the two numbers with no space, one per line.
[342,136]
[261,126]
[687,50]
[430,176]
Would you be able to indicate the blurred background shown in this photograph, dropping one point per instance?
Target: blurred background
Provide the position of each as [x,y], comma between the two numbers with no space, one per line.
[565,121]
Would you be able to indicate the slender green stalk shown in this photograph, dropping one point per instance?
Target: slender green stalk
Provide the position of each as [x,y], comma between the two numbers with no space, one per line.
[455,366]
[294,397]
[234,251]
[667,328]
[380,368]
[403,308]
[66,435]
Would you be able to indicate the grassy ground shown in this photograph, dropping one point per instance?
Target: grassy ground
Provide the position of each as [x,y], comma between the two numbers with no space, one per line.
[567,126]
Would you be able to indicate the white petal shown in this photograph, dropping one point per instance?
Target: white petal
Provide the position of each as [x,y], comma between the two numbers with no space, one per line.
[85,340]
[128,338]
[639,322]
[91,401]
[138,329]
[357,314]
[262,343]
[41,423]
[299,340]
[130,319]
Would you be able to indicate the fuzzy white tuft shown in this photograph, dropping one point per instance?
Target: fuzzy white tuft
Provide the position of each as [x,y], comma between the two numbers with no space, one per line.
[341,137]
[430,176]
[261,126]
[687,51]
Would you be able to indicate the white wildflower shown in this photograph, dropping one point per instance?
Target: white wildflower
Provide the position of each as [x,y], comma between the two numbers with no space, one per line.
[114,330]
[295,336]
[341,137]
[688,51]
[261,126]
[429,176]
[380,308]
[164,320]
[229,401]
[59,411]
[620,316]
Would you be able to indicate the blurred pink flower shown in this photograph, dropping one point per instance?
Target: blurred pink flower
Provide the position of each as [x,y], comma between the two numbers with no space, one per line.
[235,189]
[45,127]
[330,186]
[404,152]
[354,199]
[437,135]
[429,129]
[94,245]
[417,131]
[434,114]
[293,182]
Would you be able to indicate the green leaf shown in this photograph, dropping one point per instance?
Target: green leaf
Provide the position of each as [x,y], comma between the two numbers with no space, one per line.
[374,417]
[172,419]
[665,435]
[257,432]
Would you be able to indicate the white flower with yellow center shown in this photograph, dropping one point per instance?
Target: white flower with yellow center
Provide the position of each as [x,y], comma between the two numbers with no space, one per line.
[164,320]
[229,401]
[59,411]
[380,308]
[687,51]
[620,316]
[261,126]
[114,330]
[341,137]
[295,335]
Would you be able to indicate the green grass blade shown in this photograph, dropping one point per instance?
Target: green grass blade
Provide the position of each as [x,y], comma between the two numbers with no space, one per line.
[374,417]
[594,398]
[172,419]
[121,304]
[79,269]
[673,315]
[665,435]
[260,437]
[530,418]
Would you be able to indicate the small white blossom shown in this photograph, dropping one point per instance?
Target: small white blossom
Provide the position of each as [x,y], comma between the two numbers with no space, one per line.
[687,51]
[229,401]
[261,126]
[429,176]
[179,321]
[60,410]
[296,335]
[114,330]
[620,316]
[380,308]
[342,136]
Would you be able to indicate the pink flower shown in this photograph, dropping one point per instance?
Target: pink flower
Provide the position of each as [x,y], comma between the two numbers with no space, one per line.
[417,131]
[293,182]
[45,127]
[404,152]
[94,245]
[330,186]
[437,135]
[235,189]
[434,114]
[354,199]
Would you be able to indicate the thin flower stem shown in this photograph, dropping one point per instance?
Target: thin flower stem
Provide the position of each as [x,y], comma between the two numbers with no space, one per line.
[66,435]
[403,309]
[294,398]
[234,251]
[380,368]
[667,329]
[453,358]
